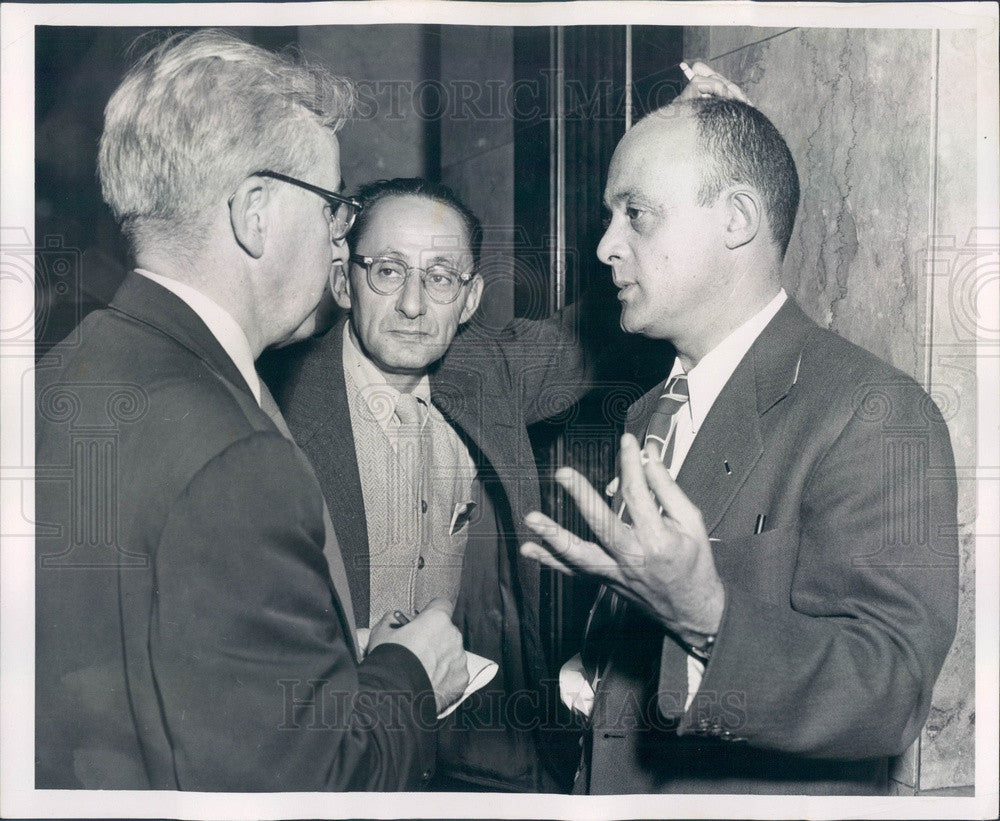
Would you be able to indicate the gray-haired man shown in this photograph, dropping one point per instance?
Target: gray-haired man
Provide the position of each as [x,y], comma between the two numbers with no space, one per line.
[194,622]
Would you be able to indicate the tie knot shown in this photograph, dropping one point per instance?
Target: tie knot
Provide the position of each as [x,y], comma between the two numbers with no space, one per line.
[677,388]
[409,410]
[663,420]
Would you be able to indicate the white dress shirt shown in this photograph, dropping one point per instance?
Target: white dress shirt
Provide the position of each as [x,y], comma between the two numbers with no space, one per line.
[705,382]
[220,323]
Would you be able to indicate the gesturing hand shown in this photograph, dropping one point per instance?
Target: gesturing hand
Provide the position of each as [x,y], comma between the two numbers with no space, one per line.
[662,562]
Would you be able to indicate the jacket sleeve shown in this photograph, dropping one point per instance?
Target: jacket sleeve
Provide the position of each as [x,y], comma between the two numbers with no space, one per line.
[547,363]
[258,687]
[845,667]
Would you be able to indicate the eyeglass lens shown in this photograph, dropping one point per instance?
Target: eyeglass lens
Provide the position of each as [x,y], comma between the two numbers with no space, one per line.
[388,276]
[341,219]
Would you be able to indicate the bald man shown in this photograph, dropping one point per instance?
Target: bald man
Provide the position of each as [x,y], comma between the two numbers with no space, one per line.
[780,560]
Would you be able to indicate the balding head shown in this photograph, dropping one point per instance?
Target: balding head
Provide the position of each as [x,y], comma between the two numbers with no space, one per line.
[702,195]
[736,145]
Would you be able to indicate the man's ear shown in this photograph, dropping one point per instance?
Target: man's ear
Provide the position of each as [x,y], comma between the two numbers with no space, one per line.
[743,215]
[340,285]
[247,215]
[472,300]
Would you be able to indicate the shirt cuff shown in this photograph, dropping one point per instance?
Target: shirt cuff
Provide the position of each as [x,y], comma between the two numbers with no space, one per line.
[574,689]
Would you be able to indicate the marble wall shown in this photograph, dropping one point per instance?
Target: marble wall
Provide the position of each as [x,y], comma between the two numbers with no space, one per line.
[882,128]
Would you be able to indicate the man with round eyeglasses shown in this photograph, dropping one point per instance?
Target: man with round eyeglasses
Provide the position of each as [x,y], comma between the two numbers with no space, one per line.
[387,275]
[417,428]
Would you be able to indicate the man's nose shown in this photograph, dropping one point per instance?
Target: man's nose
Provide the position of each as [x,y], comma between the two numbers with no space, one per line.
[412,300]
[609,248]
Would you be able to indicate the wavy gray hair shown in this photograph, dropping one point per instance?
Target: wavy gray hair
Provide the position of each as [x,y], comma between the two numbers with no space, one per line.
[199,113]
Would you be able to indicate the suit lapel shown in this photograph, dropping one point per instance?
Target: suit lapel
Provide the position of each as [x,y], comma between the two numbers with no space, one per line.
[317,409]
[458,390]
[726,448]
[637,417]
[730,440]
[150,303]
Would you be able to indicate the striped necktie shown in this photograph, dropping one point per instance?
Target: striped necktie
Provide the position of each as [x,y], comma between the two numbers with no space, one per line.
[661,432]
[662,427]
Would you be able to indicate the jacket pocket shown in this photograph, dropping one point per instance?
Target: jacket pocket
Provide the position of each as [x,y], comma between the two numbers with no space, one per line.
[762,564]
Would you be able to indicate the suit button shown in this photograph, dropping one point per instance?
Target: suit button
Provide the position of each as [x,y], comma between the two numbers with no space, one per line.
[420,563]
[423,505]
[426,775]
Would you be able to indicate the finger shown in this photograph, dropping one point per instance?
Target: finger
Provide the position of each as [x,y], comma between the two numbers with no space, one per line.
[734,90]
[380,633]
[382,621]
[599,517]
[569,548]
[635,490]
[696,88]
[699,69]
[531,550]
[704,81]
[688,73]
[714,86]
[673,500]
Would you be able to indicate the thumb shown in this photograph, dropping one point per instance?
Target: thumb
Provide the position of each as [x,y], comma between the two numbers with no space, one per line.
[447,606]
[382,622]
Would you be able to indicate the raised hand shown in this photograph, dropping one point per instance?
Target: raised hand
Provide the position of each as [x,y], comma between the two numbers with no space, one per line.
[662,562]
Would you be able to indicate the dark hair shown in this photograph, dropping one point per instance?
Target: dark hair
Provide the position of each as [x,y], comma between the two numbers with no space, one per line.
[374,192]
[741,145]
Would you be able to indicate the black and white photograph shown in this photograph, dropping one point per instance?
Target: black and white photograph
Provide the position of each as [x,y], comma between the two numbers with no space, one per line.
[500,410]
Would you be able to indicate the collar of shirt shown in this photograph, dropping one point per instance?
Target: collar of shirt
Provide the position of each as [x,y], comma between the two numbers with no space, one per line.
[220,323]
[707,379]
[379,395]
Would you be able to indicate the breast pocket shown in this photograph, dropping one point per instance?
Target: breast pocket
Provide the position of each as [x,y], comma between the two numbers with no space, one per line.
[762,564]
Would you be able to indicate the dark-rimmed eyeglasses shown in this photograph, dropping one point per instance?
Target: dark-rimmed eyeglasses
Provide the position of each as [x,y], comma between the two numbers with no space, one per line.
[343,210]
[387,275]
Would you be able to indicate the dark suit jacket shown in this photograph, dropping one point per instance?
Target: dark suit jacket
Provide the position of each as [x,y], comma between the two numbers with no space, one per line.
[838,615]
[188,632]
[489,387]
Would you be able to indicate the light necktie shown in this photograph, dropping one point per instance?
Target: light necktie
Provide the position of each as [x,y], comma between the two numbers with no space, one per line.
[412,445]
[410,411]
[605,616]
[331,547]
